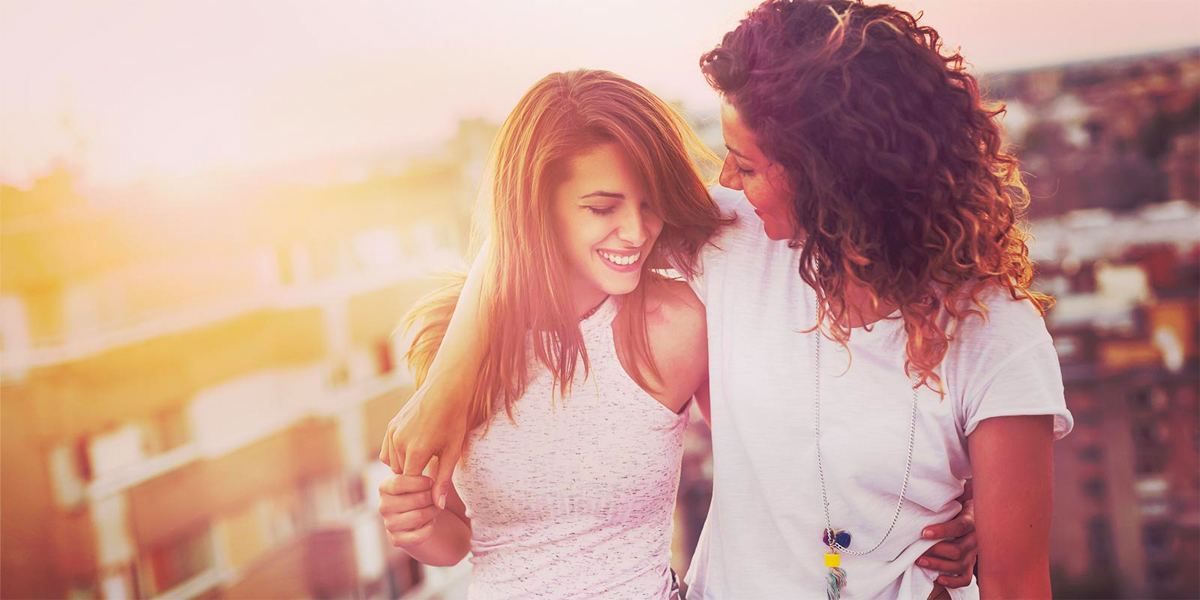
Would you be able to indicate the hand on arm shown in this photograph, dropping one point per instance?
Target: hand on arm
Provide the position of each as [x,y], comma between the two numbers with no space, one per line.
[432,535]
[1012,464]
[954,556]
[433,423]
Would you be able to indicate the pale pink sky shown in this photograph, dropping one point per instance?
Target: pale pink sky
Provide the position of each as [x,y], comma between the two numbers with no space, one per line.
[130,89]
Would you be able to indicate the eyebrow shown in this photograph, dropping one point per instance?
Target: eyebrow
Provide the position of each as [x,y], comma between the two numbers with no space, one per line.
[736,153]
[603,194]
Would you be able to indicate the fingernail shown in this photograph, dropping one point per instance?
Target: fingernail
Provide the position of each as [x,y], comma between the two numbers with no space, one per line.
[922,562]
[442,502]
[928,533]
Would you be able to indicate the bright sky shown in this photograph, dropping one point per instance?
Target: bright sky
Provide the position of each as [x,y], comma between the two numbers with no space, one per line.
[129,89]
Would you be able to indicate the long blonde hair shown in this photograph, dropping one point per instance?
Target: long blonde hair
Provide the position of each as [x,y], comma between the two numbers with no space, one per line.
[525,287]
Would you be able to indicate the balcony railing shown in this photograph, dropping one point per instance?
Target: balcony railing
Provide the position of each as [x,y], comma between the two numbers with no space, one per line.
[75,346]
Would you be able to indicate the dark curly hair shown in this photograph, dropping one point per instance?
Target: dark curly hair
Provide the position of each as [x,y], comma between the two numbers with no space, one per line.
[901,181]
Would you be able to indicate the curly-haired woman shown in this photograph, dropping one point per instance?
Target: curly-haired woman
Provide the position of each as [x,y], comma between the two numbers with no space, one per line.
[873,337]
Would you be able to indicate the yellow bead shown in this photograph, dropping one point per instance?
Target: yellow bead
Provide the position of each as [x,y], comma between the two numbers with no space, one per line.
[833,560]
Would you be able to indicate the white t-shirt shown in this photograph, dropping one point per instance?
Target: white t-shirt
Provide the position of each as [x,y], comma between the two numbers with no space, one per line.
[762,539]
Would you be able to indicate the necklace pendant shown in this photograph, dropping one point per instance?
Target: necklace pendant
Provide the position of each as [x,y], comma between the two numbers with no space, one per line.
[840,536]
[835,579]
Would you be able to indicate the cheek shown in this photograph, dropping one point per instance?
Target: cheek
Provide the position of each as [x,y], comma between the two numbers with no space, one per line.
[654,226]
[771,197]
[574,236]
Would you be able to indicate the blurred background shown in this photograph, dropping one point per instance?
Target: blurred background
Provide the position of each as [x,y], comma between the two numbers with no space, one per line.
[213,214]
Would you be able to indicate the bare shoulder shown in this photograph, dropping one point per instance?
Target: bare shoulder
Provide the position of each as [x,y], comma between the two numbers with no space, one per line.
[672,309]
[676,324]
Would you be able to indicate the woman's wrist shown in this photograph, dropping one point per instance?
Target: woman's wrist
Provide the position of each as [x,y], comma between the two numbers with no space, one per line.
[446,393]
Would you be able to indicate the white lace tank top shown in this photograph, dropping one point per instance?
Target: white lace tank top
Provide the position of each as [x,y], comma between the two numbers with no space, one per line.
[576,499]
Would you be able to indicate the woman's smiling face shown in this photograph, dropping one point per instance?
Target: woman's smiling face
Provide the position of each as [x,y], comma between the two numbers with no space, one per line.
[763,180]
[605,225]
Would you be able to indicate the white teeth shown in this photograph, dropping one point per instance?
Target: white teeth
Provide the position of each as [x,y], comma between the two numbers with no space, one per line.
[621,260]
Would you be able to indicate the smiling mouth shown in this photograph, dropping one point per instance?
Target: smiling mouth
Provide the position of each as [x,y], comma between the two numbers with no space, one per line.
[620,260]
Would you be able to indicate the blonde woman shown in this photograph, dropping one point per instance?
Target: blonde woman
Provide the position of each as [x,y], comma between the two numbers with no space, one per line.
[578,411]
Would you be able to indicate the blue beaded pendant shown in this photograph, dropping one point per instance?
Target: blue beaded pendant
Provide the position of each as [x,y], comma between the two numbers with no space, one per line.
[841,536]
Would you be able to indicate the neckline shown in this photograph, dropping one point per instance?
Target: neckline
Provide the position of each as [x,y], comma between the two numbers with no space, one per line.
[601,316]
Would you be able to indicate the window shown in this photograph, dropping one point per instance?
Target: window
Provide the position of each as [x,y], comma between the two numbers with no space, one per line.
[1091,454]
[355,492]
[1088,416]
[1095,488]
[282,515]
[385,361]
[404,575]
[177,561]
[70,472]
[1099,540]
[1162,575]
[166,431]
[1139,400]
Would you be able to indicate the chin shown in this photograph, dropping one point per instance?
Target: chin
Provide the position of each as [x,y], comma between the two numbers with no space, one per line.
[776,232]
[621,287]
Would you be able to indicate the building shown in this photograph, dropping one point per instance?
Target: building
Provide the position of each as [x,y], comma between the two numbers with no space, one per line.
[193,397]
[1127,480]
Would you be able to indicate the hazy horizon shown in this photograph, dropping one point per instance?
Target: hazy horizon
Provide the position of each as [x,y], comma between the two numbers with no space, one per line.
[129,90]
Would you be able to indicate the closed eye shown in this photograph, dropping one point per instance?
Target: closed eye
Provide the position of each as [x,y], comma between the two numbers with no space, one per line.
[600,210]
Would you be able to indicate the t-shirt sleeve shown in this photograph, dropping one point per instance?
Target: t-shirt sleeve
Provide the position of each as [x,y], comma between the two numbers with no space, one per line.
[1029,382]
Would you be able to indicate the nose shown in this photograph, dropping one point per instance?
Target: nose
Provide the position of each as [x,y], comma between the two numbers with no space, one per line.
[729,176]
[632,228]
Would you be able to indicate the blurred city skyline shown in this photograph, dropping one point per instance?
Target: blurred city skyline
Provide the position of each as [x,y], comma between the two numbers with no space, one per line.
[122,92]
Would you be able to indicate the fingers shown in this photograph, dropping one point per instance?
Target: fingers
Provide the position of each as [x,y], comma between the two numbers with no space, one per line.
[397,458]
[397,503]
[405,484]
[963,524]
[390,452]
[410,520]
[955,581]
[951,566]
[939,565]
[415,460]
[411,538]
[948,558]
[443,478]
[944,550]
[406,504]
[385,448]
[949,530]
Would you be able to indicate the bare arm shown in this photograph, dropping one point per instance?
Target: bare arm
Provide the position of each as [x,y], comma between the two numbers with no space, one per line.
[434,420]
[678,335]
[1012,462]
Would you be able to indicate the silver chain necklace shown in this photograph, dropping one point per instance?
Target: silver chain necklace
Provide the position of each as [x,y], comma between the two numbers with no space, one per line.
[837,577]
